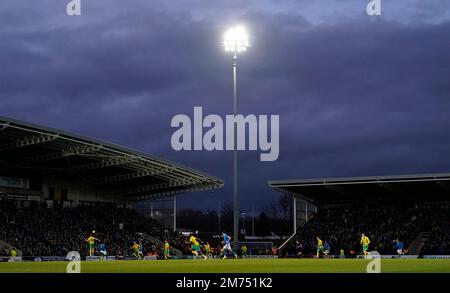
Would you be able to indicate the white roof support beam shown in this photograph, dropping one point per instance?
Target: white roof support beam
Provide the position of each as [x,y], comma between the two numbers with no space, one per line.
[29,140]
[72,151]
[153,187]
[127,176]
[101,164]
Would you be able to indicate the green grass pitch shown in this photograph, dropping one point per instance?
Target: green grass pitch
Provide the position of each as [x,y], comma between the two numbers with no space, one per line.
[236,266]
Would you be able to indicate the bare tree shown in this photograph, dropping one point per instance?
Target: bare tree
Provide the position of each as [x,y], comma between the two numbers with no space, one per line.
[285,203]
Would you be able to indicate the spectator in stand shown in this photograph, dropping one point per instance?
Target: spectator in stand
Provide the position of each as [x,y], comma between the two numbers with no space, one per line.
[43,231]
[341,226]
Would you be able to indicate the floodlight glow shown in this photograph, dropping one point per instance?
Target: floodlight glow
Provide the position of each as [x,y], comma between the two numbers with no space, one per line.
[236,39]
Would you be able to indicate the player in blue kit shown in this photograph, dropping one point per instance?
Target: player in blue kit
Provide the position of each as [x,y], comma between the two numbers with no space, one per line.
[399,247]
[326,248]
[227,246]
[102,249]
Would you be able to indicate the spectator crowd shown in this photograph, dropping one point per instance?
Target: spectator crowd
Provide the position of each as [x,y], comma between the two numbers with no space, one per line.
[341,227]
[40,231]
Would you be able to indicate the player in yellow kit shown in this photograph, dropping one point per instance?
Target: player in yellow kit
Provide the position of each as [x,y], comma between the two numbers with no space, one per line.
[166,249]
[319,246]
[208,250]
[137,250]
[195,246]
[91,240]
[365,241]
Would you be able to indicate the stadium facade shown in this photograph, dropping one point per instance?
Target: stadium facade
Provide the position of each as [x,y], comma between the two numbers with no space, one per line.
[46,165]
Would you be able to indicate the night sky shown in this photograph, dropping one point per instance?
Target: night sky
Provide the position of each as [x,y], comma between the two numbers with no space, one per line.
[357,95]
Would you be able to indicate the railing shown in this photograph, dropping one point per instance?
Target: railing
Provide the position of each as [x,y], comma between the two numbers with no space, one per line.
[417,244]
[286,242]
[4,245]
[295,233]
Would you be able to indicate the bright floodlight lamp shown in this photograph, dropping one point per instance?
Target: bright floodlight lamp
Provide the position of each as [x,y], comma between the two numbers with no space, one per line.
[236,39]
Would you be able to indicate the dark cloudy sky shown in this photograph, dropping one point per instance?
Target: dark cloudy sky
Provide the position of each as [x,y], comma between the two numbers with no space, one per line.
[357,95]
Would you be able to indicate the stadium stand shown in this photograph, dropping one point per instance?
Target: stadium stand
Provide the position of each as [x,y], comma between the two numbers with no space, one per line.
[57,187]
[40,231]
[342,226]
[413,208]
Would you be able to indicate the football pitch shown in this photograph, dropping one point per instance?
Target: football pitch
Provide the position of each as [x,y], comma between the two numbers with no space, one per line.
[236,266]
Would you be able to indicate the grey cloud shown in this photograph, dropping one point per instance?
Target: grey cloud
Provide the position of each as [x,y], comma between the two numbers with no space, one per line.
[355,96]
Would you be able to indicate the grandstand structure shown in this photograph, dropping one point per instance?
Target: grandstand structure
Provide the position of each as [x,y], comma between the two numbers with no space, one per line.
[314,193]
[311,195]
[41,164]
[428,187]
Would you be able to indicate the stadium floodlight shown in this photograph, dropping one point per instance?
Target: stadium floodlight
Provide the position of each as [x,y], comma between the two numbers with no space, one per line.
[235,40]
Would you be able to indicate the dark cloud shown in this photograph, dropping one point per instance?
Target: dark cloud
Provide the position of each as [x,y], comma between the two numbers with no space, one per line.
[356,96]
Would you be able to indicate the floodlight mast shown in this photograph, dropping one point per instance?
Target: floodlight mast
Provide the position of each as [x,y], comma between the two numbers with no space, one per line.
[235,40]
